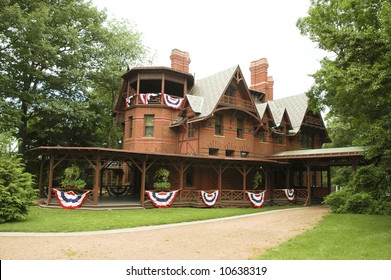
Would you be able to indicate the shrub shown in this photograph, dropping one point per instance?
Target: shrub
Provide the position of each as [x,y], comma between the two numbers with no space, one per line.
[16,185]
[337,200]
[161,177]
[72,177]
[358,203]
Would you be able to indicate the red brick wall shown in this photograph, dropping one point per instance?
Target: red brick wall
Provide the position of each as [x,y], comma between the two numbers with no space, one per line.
[164,139]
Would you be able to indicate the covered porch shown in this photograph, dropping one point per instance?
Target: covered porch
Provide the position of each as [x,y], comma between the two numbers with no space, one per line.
[119,179]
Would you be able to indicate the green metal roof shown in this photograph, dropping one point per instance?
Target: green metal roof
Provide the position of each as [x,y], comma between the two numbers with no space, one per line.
[316,153]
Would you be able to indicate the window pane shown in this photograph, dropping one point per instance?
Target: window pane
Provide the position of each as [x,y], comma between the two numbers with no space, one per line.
[239,131]
[149,125]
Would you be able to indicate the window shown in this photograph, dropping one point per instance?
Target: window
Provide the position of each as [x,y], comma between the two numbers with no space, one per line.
[218,125]
[307,141]
[277,138]
[239,129]
[213,152]
[130,126]
[243,154]
[229,153]
[191,130]
[149,121]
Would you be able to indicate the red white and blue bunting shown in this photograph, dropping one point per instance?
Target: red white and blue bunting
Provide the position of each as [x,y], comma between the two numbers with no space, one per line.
[70,200]
[129,100]
[162,199]
[173,102]
[145,97]
[210,198]
[257,199]
[290,194]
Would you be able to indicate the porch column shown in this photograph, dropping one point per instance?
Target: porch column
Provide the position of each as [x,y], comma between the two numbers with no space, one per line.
[269,192]
[309,185]
[162,89]
[40,182]
[95,191]
[50,187]
[328,179]
[354,167]
[219,182]
[244,178]
[181,176]
[143,177]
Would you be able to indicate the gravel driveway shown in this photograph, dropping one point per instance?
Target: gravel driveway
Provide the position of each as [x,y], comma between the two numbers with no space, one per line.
[233,238]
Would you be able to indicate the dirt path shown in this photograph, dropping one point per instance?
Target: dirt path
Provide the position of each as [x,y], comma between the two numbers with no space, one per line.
[235,238]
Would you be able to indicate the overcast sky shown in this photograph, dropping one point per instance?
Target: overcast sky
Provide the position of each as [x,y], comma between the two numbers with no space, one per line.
[219,34]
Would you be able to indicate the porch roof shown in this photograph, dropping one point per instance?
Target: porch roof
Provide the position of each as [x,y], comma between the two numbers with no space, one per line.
[120,154]
[321,153]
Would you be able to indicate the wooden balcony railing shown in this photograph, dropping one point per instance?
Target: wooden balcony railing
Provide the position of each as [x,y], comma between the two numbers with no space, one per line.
[230,100]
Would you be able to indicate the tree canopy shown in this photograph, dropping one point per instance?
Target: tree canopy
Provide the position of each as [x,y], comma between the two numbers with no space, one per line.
[354,81]
[60,65]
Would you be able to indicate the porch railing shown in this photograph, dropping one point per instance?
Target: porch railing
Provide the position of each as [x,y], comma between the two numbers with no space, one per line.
[239,197]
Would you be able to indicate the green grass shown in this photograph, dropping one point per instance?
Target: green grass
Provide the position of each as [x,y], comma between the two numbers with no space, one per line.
[339,237]
[60,220]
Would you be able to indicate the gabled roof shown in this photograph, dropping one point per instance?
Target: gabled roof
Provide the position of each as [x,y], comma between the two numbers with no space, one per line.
[296,107]
[196,103]
[262,109]
[206,92]
[277,113]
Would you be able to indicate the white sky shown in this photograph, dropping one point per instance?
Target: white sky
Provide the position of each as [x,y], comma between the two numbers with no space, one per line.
[219,34]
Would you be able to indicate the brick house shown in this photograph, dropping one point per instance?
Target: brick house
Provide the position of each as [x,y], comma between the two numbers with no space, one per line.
[215,133]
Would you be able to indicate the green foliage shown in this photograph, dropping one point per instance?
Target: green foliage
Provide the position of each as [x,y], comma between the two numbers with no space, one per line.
[72,177]
[369,192]
[354,82]
[57,61]
[257,181]
[16,185]
[161,177]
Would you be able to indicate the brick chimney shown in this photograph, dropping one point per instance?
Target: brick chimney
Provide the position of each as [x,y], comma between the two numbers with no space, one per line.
[260,81]
[180,60]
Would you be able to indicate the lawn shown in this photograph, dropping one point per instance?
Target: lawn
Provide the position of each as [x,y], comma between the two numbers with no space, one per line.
[339,237]
[60,220]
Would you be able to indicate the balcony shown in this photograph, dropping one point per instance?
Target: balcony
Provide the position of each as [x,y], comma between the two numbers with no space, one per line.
[237,102]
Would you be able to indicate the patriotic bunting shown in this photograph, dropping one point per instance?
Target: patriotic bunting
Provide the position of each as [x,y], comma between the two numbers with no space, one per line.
[173,102]
[70,200]
[129,100]
[145,97]
[209,198]
[162,199]
[290,194]
[257,199]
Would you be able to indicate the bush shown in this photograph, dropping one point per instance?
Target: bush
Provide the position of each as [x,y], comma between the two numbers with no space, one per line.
[358,203]
[72,177]
[161,177]
[16,185]
[337,200]
[348,200]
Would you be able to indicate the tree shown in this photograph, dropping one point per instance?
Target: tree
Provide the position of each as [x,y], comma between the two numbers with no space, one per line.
[124,48]
[16,185]
[50,52]
[354,82]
